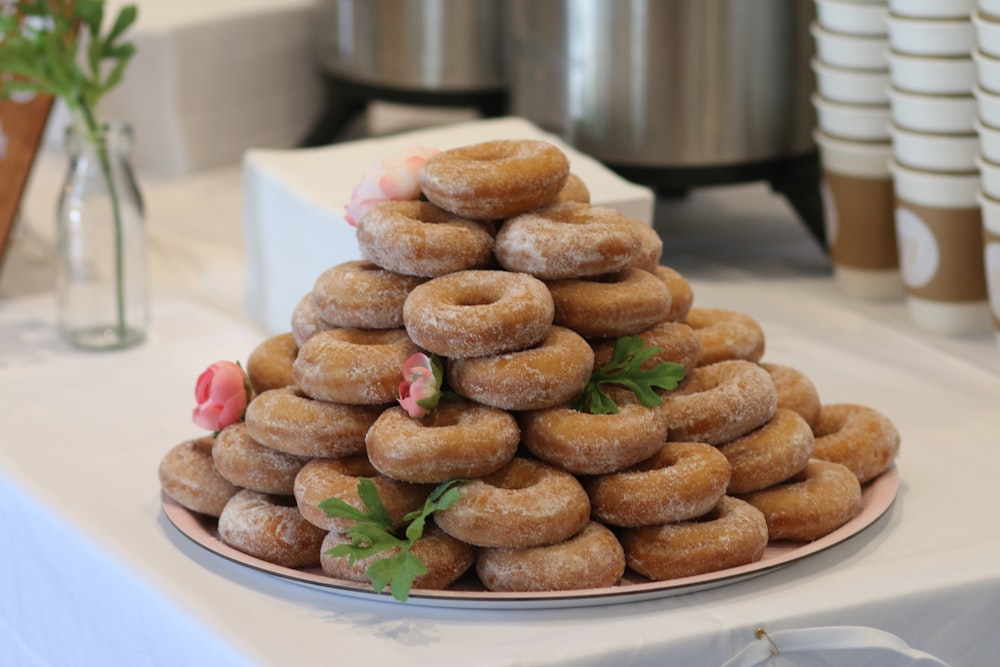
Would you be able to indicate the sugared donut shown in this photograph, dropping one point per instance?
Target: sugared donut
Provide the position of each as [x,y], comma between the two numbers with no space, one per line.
[478,313]
[269,365]
[676,340]
[813,503]
[770,454]
[726,334]
[594,444]
[548,374]
[682,296]
[249,464]
[611,305]
[732,534]
[796,391]
[306,320]
[362,295]
[574,190]
[455,440]
[416,238]
[859,437]
[288,420]
[320,479]
[682,481]
[593,558]
[651,246]
[526,503]
[353,366]
[567,240]
[719,402]
[188,475]
[495,179]
[270,528]
[446,559]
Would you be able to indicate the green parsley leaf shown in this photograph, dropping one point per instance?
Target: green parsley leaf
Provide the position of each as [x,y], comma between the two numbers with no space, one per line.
[372,534]
[625,369]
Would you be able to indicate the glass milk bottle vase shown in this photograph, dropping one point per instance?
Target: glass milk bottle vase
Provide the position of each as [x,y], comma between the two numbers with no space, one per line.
[101,265]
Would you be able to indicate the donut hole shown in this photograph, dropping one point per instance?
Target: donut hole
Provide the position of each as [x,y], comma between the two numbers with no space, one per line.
[441,419]
[515,477]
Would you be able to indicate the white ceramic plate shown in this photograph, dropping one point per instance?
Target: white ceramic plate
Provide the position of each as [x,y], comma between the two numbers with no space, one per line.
[878,496]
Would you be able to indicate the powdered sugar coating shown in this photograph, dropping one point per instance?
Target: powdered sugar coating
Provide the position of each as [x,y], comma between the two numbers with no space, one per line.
[813,503]
[548,374]
[306,320]
[446,559]
[732,534]
[269,365]
[858,436]
[720,402]
[616,304]
[188,475]
[593,558]
[288,420]
[796,391]
[455,440]
[589,444]
[249,464]
[682,481]
[478,313]
[567,240]
[770,454]
[338,478]
[270,528]
[726,334]
[353,366]
[417,238]
[524,504]
[363,295]
[495,179]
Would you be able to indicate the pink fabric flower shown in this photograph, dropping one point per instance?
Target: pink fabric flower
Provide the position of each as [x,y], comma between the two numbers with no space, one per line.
[222,393]
[420,390]
[394,179]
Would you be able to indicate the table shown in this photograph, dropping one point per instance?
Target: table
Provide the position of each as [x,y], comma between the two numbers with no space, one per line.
[92,573]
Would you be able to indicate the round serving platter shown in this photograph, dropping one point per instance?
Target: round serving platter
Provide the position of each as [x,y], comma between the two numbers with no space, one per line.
[877,497]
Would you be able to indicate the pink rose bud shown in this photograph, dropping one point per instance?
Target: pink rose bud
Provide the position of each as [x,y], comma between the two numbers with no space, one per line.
[222,394]
[419,392]
[393,179]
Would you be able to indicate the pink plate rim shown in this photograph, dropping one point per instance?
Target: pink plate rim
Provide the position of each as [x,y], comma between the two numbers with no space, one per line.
[878,496]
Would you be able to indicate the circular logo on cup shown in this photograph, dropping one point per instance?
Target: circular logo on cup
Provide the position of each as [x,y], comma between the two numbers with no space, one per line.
[919,255]
[829,212]
[992,253]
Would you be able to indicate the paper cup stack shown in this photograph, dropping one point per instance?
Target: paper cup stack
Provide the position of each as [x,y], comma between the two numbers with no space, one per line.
[986,20]
[853,115]
[935,148]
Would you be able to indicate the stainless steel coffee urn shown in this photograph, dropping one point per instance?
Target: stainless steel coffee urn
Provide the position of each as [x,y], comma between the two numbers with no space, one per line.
[676,94]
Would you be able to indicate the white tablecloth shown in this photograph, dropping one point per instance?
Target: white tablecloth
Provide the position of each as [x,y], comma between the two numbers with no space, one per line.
[92,573]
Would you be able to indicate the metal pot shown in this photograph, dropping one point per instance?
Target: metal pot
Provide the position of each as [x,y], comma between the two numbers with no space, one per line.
[666,83]
[412,45]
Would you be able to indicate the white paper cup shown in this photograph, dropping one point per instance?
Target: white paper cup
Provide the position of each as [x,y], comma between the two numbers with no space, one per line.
[852,121]
[989,141]
[949,114]
[987,34]
[939,237]
[930,37]
[851,86]
[839,49]
[991,256]
[935,152]
[989,176]
[858,203]
[855,18]
[932,75]
[933,9]
[987,71]
[987,106]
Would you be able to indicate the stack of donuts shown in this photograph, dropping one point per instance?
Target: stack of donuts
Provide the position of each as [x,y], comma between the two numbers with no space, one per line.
[521,287]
